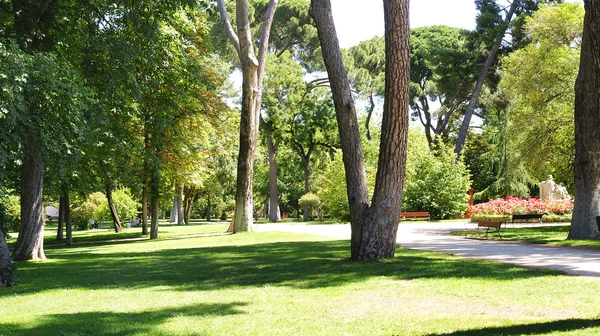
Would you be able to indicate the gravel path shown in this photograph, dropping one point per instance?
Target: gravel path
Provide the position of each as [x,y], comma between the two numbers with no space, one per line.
[436,237]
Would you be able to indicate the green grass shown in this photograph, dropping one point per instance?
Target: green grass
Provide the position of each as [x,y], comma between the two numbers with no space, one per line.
[551,235]
[285,284]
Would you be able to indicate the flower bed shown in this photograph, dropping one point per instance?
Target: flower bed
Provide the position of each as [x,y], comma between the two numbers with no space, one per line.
[511,205]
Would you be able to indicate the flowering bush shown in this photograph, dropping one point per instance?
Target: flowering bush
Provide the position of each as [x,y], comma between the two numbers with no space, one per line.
[511,205]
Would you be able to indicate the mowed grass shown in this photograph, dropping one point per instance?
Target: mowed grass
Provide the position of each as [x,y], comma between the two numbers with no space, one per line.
[551,235]
[286,284]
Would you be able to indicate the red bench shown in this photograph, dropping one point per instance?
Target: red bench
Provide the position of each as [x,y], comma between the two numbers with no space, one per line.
[415,215]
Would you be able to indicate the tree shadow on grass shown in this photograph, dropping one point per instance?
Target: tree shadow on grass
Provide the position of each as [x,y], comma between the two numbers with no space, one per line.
[529,329]
[116,323]
[295,264]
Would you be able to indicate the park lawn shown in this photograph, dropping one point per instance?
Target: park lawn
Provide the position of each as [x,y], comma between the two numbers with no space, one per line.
[551,235]
[165,230]
[286,284]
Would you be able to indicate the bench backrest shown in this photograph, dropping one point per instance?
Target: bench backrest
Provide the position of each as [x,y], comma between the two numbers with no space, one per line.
[491,224]
[527,216]
[414,214]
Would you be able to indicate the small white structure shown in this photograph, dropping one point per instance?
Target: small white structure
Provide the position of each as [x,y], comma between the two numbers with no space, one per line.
[51,212]
[552,191]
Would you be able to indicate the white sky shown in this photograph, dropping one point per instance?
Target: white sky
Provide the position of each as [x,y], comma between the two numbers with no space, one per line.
[360,20]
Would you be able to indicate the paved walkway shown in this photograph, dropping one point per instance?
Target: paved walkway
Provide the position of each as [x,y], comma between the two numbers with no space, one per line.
[435,237]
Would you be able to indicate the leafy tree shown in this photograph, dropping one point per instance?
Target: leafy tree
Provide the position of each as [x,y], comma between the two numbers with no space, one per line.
[539,81]
[312,202]
[441,73]
[492,25]
[312,128]
[587,123]
[253,66]
[479,160]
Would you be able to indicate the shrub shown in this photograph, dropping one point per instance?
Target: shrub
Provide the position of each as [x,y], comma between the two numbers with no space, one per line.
[313,202]
[12,212]
[434,183]
[96,207]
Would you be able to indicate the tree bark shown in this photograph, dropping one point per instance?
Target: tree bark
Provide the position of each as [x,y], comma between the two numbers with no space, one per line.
[306,210]
[587,130]
[6,273]
[30,243]
[373,227]
[67,214]
[61,218]
[252,74]
[464,128]
[174,212]
[208,210]
[274,215]
[180,204]
[154,205]
[113,209]
[145,202]
[190,195]
[354,168]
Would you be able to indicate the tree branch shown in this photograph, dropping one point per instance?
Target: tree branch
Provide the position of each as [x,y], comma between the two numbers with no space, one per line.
[227,25]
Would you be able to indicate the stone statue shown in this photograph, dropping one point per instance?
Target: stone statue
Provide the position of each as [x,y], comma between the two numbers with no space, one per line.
[552,191]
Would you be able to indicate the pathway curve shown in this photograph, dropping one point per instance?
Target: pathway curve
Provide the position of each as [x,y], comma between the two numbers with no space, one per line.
[436,237]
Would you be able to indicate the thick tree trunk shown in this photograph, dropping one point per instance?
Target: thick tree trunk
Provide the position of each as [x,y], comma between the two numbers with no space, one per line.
[586,211]
[252,73]
[274,215]
[373,228]
[113,209]
[6,273]
[30,243]
[180,204]
[378,236]
[464,128]
[67,215]
[61,218]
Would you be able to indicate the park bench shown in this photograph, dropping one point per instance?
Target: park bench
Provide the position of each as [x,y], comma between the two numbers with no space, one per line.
[415,215]
[487,227]
[524,218]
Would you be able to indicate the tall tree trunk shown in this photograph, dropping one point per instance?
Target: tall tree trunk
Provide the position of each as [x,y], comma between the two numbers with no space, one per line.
[274,215]
[306,162]
[586,211]
[464,128]
[154,204]
[180,204]
[113,209]
[30,243]
[352,155]
[61,218]
[373,227]
[252,74]
[190,194]
[174,212]
[208,210]
[67,214]
[6,272]
[145,204]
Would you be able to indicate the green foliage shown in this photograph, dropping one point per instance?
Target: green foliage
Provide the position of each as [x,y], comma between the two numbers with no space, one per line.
[95,206]
[434,183]
[539,82]
[478,161]
[11,206]
[332,189]
[313,202]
